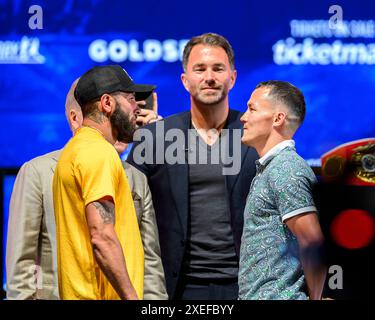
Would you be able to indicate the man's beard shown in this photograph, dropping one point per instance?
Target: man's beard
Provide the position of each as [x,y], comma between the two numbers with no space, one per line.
[121,122]
[210,99]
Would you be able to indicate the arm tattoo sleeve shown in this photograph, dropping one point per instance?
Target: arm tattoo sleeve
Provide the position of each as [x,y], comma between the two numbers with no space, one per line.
[106,211]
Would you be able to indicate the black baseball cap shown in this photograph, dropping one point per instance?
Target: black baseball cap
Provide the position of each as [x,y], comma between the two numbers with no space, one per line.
[108,79]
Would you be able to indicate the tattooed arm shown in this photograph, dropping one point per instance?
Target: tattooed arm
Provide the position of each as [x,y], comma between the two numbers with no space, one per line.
[107,249]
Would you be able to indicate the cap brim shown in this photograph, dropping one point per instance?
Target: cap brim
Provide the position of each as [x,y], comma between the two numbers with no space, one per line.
[142,91]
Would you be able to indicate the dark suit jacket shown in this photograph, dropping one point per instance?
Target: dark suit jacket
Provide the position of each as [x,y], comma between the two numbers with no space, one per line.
[170,192]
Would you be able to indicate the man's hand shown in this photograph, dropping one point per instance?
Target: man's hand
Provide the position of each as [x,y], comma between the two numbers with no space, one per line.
[145,116]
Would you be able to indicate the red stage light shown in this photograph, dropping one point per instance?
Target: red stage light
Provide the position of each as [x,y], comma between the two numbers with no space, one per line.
[353,229]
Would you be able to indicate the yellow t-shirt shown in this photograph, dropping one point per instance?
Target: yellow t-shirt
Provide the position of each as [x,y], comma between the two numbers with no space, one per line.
[89,169]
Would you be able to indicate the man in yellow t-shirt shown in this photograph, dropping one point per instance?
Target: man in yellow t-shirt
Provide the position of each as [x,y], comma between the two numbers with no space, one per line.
[99,248]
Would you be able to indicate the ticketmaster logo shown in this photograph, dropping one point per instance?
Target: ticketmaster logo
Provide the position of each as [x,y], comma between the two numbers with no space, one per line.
[337,52]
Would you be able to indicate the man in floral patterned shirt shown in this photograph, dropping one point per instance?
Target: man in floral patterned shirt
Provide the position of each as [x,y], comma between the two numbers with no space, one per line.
[281,240]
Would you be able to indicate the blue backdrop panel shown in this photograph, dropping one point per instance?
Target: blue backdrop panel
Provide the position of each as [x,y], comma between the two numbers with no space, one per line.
[288,40]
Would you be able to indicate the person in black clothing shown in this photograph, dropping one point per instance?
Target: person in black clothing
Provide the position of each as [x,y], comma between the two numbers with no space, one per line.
[199,204]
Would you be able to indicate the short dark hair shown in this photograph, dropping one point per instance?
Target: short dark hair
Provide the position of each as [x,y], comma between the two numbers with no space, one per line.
[90,108]
[209,39]
[287,94]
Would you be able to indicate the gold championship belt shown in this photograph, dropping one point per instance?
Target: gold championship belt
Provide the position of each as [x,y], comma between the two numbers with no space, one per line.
[351,163]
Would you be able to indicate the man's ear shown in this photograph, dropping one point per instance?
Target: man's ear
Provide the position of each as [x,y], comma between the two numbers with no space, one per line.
[107,104]
[75,119]
[185,82]
[233,78]
[279,119]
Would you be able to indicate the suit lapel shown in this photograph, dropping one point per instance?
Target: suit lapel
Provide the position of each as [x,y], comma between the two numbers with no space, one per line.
[178,179]
[179,176]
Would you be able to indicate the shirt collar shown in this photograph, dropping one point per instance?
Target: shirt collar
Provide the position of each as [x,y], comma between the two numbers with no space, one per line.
[274,151]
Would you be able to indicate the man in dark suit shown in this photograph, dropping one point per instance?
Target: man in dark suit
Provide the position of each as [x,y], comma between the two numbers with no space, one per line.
[199,196]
